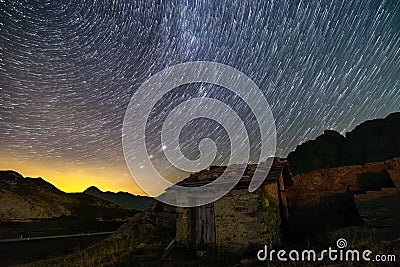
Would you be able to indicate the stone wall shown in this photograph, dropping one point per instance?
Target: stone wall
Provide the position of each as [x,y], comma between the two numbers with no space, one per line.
[183,227]
[243,220]
[310,187]
[339,197]
[380,209]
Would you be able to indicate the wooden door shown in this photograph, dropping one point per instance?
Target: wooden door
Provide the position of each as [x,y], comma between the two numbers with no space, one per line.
[205,227]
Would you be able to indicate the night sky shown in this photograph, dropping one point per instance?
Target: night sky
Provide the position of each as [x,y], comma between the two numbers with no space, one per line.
[68,70]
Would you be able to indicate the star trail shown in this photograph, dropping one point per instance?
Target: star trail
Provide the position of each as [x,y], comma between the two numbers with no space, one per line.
[68,70]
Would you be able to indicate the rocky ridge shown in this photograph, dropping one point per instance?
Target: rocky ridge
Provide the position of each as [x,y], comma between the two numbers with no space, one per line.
[26,199]
[371,141]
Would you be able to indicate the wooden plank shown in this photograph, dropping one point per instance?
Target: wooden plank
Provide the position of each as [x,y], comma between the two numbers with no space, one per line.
[205,227]
[282,198]
[198,226]
[212,225]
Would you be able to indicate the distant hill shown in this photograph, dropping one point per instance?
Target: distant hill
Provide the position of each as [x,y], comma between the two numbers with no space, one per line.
[371,141]
[26,199]
[123,199]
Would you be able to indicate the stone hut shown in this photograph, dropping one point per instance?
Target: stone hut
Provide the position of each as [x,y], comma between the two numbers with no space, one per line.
[240,221]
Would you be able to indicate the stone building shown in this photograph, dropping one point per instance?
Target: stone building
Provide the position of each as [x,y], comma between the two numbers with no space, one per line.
[326,200]
[239,221]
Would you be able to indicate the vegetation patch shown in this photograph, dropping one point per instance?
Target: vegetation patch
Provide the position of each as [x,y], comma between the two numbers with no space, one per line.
[141,250]
[271,220]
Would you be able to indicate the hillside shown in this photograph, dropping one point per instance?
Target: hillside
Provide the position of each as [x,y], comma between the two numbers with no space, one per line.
[371,141]
[26,199]
[123,199]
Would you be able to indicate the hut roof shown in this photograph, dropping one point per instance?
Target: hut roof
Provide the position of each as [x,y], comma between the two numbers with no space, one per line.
[211,174]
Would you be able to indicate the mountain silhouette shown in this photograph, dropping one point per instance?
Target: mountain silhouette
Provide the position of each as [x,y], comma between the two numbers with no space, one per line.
[371,141]
[26,199]
[123,199]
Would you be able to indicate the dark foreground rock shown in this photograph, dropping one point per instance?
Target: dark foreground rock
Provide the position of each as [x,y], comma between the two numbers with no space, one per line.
[157,216]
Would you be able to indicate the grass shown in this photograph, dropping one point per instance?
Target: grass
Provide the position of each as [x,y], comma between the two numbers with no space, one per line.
[143,250]
[29,251]
[364,238]
[271,220]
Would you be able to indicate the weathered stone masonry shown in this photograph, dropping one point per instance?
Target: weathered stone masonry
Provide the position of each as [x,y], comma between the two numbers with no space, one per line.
[242,220]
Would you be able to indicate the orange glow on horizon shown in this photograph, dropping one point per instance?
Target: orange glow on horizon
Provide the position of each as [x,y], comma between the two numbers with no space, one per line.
[75,177]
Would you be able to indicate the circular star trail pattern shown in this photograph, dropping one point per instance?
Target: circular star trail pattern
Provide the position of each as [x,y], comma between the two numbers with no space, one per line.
[69,68]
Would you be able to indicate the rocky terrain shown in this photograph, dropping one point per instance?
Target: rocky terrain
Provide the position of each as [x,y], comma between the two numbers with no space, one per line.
[26,199]
[123,199]
[157,216]
[371,141]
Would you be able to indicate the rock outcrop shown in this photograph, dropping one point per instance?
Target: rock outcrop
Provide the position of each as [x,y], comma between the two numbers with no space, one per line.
[371,141]
[159,216]
[321,153]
